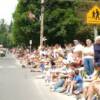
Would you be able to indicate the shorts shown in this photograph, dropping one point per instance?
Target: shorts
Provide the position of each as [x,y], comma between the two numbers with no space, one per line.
[79,88]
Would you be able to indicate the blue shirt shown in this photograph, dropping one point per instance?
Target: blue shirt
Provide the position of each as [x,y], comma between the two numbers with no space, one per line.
[78,79]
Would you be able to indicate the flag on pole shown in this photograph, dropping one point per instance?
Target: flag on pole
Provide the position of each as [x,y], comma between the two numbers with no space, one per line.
[31,15]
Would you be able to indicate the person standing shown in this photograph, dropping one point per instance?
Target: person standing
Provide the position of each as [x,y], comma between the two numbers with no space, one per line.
[78,47]
[88,57]
[97,51]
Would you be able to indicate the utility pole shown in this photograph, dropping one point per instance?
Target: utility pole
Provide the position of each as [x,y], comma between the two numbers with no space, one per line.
[42,23]
[95,31]
[30,42]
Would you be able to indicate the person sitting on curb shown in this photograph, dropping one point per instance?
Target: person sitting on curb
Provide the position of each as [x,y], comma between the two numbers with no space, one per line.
[94,86]
[76,85]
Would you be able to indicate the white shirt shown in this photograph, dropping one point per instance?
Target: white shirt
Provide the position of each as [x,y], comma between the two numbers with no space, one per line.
[88,50]
[78,47]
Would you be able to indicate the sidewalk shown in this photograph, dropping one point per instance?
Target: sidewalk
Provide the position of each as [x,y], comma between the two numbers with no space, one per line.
[45,91]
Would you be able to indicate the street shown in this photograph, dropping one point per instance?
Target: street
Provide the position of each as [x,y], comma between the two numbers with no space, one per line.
[21,84]
[49,49]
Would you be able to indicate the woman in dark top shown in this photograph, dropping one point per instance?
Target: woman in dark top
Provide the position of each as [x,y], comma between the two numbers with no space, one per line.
[97,51]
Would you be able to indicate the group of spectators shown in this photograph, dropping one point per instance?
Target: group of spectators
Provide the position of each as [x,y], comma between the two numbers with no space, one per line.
[66,69]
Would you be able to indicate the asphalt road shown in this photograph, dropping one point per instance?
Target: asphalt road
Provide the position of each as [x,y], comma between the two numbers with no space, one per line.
[21,84]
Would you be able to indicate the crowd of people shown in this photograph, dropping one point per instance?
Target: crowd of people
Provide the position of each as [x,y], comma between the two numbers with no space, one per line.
[71,69]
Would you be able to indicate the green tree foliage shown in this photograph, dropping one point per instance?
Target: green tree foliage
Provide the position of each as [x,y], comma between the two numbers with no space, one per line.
[60,21]
[3,26]
[6,37]
[3,32]
[64,21]
[25,29]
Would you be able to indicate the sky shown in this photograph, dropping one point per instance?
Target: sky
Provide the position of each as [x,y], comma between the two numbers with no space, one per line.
[7,7]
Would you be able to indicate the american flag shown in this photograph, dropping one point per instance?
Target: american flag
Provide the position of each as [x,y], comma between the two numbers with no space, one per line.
[31,15]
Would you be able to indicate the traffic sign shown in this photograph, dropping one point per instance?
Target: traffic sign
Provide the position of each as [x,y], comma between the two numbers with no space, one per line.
[93,16]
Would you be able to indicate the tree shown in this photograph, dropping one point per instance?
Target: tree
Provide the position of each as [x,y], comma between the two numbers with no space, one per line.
[58,17]
[60,20]
[3,32]
[23,28]
[64,21]
[3,26]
